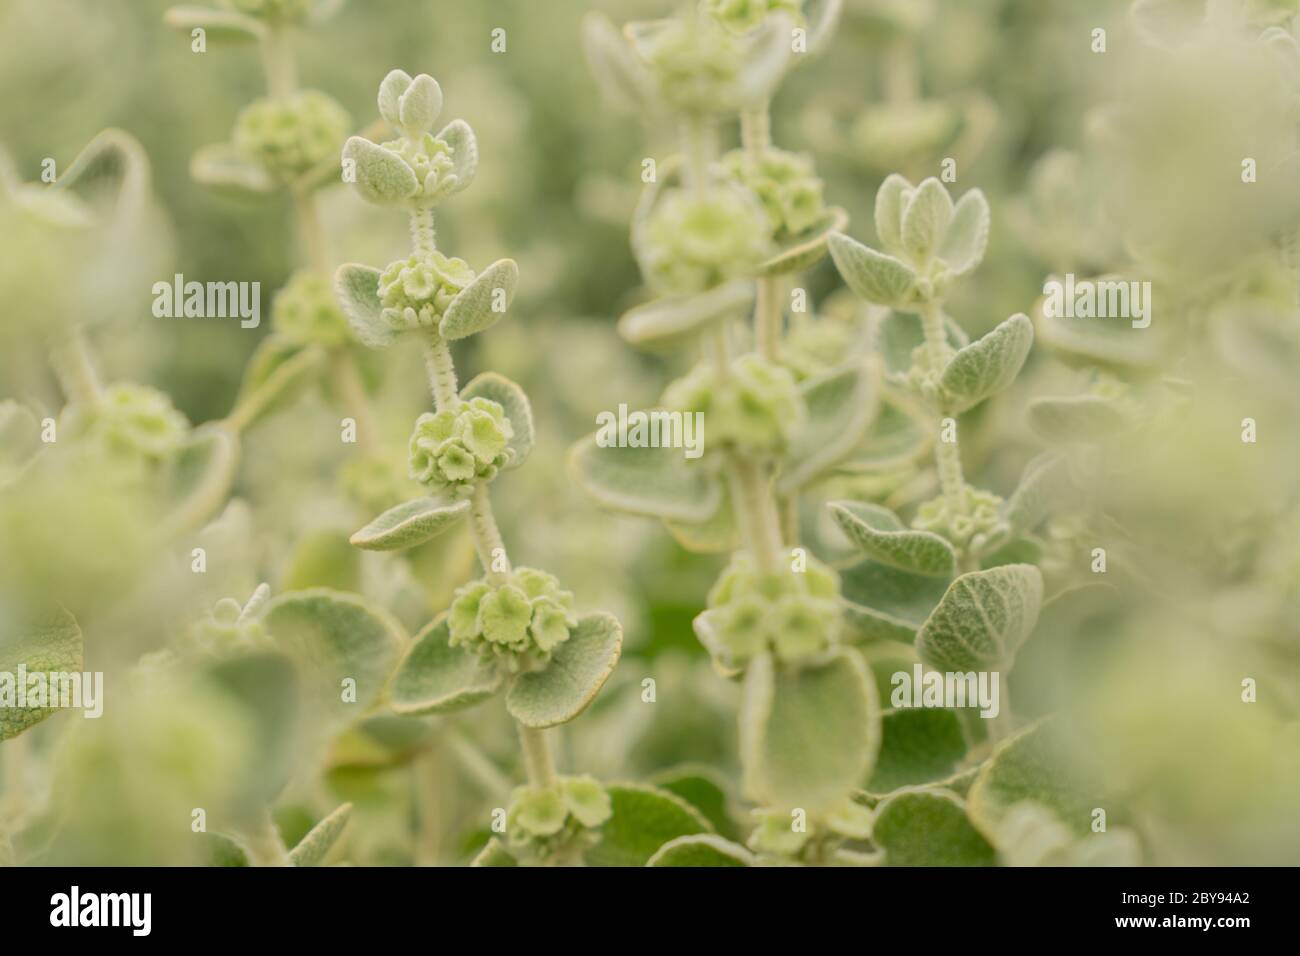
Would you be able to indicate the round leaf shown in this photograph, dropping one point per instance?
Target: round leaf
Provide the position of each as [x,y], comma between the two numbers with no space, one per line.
[982,619]
[887,603]
[657,482]
[512,398]
[382,176]
[643,820]
[571,680]
[674,319]
[482,303]
[929,828]
[701,850]
[926,216]
[436,678]
[988,365]
[357,289]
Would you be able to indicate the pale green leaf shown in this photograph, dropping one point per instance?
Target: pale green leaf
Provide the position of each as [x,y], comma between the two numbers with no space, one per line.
[419,105]
[382,176]
[315,846]
[518,410]
[391,89]
[987,365]
[887,603]
[1111,343]
[1044,481]
[336,638]
[224,168]
[707,790]
[982,620]
[718,535]
[199,477]
[574,676]
[1075,419]
[267,686]
[926,216]
[482,303]
[44,643]
[918,745]
[840,406]
[673,320]
[873,275]
[357,289]
[701,849]
[657,482]
[806,249]
[892,195]
[322,559]
[929,828]
[962,248]
[897,335]
[464,152]
[436,678]
[409,524]
[881,536]
[808,735]
[644,819]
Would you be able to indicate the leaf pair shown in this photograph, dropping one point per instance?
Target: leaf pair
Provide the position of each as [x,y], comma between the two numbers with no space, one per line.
[421,519]
[479,306]
[437,678]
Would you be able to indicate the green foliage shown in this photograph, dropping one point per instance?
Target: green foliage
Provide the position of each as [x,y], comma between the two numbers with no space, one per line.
[643,820]
[48,643]
[928,828]
[316,845]
[577,670]
[982,619]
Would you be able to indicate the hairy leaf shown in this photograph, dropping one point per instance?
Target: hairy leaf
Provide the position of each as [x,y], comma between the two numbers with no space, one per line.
[382,176]
[929,828]
[574,676]
[474,308]
[313,848]
[881,536]
[705,789]
[963,246]
[840,407]
[409,524]
[701,850]
[918,745]
[644,819]
[873,275]
[657,482]
[672,320]
[436,678]
[806,249]
[1076,419]
[926,216]
[1044,480]
[982,620]
[224,168]
[357,289]
[44,643]
[887,603]
[987,365]
[512,398]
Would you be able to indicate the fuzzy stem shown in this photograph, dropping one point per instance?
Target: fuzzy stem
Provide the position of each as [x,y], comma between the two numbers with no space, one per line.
[788,505]
[902,84]
[487,536]
[947,455]
[423,239]
[252,405]
[756,130]
[699,145]
[265,845]
[538,761]
[442,373]
[352,398]
[767,317]
[756,511]
[278,62]
[75,370]
[310,233]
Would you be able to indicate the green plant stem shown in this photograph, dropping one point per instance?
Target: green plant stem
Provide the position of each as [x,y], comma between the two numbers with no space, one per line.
[902,84]
[947,455]
[756,130]
[310,233]
[75,370]
[538,761]
[442,373]
[265,845]
[487,536]
[699,146]
[278,62]
[767,317]
[789,508]
[755,509]
[423,238]
[352,398]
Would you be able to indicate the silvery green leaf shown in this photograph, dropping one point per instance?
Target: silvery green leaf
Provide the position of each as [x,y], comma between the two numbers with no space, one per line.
[704,788]
[897,437]
[315,846]
[893,194]
[1044,479]
[357,289]
[409,524]
[336,637]
[987,365]
[887,603]
[926,216]
[391,89]
[809,734]
[436,678]
[806,249]
[982,620]
[217,24]
[962,248]
[198,478]
[918,745]
[701,849]
[656,482]
[1075,419]
[841,405]
[267,687]
[226,851]
[881,536]
[823,17]
[896,336]
[619,74]
[382,176]
[572,678]
[274,377]
[223,167]
[49,641]
[929,827]
[715,535]
[644,819]
[419,105]
[464,153]
[518,410]
[672,320]
[873,275]
[111,174]
[494,854]
[1032,767]
[475,307]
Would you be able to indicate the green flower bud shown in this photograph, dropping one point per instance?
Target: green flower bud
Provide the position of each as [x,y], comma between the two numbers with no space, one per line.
[741,16]
[292,135]
[697,66]
[305,312]
[691,243]
[434,165]
[416,292]
[542,822]
[451,451]
[794,613]
[978,514]
[133,427]
[785,183]
[757,408]
[520,621]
